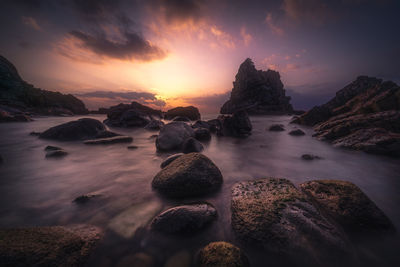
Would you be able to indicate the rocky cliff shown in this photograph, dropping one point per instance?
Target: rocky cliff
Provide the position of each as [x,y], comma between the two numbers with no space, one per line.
[18,94]
[364,115]
[257,92]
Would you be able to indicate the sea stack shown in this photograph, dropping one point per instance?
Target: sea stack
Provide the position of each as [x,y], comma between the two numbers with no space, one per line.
[258,92]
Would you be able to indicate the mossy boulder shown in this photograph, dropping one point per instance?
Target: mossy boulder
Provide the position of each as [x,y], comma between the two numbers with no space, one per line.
[348,205]
[221,254]
[189,175]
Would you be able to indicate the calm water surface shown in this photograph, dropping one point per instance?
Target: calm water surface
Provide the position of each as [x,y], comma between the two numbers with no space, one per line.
[39,191]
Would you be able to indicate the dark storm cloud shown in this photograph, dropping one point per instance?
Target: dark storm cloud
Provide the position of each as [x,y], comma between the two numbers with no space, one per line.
[178,10]
[123,95]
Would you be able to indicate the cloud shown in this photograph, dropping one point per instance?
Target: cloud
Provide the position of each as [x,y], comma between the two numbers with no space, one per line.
[272,25]
[223,38]
[247,38]
[209,103]
[178,11]
[31,22]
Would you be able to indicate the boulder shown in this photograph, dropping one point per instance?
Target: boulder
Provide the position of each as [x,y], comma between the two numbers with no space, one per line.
[221,254]
[189,175]
[257,92]
[202,134]
[170,159]
[186,219]
[272,214]
[48,246]
[56,153]
[348,205]
[201,124]
[192,113]
[191,145]
[106,134]
[154,125]
[182,258]
[276,128]
[74,130]
[109,140]
[215,125]
[181,118]
[297,132]
[173,135]
[236,125]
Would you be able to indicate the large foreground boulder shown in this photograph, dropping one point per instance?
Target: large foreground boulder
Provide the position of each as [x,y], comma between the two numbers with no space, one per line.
[274,215]
[131,115]
[221,254]
[189,175]
[236,125]
[184,219]
[48,246]
[81,129]
[348,205]
[190,112]
[173,135]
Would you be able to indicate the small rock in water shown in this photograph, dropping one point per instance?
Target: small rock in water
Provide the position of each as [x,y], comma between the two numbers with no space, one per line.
[184,219]
[132,147]
[173,135]
[35,133]
[56,153]
[52,148]
[191,145]
[222,254]
[106,134]
[297,132]
[310,157]
[110,140]
[84,198]
[276,128]
[170,159]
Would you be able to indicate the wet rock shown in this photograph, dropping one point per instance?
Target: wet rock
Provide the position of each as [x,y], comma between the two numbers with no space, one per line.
[48,246]
[202,134]
[187,176]
[173,135]
[297,132]
[140,259]
[184,219]
[192,113]
[201,124]
[52,148]
[191,145]
[153,136]
[170,159]
[221,254]
[276,128]
[215,125]
[56,153]
[310,157]
[348,205]
[74,130]
[84,198]
[109,140]
[132,147]
[7,117]
[106,134]
[236,125]
[274,215]
[257,92]
[180,259]
[35,133]
[154,125]
[180,118]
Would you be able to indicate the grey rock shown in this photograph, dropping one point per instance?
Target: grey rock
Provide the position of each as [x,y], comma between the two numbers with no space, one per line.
[173,135]
[154,125]
[170,159]
[191,145]
[297,132]
[190,112]
[202,134]
[56,153]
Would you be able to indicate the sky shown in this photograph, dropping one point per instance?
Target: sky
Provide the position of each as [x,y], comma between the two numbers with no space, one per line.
[166,53]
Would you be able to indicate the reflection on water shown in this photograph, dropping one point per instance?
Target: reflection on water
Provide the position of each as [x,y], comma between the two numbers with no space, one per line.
[39,191]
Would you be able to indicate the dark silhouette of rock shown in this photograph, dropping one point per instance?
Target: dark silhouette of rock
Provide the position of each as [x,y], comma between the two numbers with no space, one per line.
[276,128]
[109,140]
[131,115]
[56,153]
[201,124]
[348,205]
[52,148]
[189,175]
[139,259]
[74,130]
[215,125]
[191,145]
[154,125]
[236,125]
[173,135]
[190,112]
[310,157]
[297,132]
[180,118]
[16,93]
[202,134]
[364,115]
[257,92]
[170,159]
[274,215]
[48,246]
[35,133]
[221,254]
[84,198]
[132,147]
[106,134]
[8,117]
[184,219]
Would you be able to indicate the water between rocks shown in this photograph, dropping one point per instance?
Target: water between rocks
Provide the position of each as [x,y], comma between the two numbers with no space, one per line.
[39,191]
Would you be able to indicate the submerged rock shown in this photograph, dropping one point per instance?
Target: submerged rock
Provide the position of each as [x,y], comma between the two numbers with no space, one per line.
[221,254]
[273,214]
[154,125]
[48,246]
[202,134]
[276,128]
[191,145]
[74,130]
[173,135]
[84,198]
[56,153]
[170,159]
[184,219]
[109,140]
[310,157]
[297,132]
[190,112]
[52,148]
[236,125]
[35,133]
[132,147]
[187,176]
[348,205]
